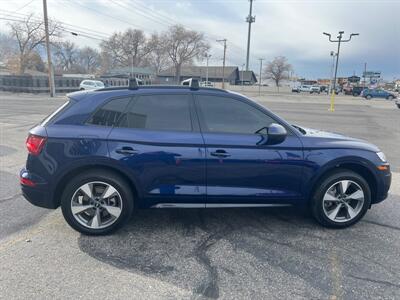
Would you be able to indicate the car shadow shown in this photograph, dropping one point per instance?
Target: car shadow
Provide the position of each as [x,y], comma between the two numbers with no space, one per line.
[173,244]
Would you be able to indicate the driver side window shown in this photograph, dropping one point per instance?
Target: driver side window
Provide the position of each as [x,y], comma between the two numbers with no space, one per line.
[227,115]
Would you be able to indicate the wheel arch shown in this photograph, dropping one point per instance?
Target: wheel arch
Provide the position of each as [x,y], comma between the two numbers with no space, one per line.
[363,169]
[70,173]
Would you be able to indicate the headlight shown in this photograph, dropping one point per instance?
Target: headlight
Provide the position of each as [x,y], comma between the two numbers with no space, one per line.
[382,156]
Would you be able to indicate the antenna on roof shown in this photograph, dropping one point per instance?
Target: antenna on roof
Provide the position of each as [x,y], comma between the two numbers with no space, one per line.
[134,83]
[192,82]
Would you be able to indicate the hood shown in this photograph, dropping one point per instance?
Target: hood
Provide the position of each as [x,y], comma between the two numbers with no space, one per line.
[315,138]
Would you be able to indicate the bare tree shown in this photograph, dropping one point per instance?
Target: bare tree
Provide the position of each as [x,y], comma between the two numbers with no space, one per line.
[158,58]
[127,48]
[277,70]
[89,59]
[8,46]
[29,35]
[183,46]
[66,56]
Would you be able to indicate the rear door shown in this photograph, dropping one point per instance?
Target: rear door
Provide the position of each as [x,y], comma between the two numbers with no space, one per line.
[240,167]
[159,141]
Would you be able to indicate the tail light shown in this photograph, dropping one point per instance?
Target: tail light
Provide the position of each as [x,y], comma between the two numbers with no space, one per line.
[35,144]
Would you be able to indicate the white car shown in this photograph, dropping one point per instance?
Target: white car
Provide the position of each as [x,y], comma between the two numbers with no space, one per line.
[309,89]
[206,84]
[91,85]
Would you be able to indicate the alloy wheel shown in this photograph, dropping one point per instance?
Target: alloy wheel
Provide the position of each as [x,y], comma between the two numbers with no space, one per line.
[96,205]
[343,201]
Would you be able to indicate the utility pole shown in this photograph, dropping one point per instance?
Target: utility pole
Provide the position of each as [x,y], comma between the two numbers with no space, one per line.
[223,63]
[207,57]
[339,41]
[250,19]
[49,64]
[259,79]
[365,73]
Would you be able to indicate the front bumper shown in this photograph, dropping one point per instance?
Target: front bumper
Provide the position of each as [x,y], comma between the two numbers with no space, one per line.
[40,194]
[384,182]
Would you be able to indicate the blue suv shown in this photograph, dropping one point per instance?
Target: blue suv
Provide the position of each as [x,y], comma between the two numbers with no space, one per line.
[105,153]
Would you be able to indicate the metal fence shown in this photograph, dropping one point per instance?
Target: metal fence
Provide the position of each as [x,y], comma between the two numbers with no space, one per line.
[38,84]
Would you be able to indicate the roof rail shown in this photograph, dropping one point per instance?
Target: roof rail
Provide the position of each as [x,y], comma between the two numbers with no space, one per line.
[192,83]
[134,83]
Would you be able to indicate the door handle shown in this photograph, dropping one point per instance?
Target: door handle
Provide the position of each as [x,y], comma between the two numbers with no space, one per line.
[220,153]
[126,151]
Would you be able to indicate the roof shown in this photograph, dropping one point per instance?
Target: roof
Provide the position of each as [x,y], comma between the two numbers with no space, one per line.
[128,70]
[200,71]
[247,76]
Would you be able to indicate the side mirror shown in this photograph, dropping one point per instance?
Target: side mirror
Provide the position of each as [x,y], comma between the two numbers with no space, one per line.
[276,134]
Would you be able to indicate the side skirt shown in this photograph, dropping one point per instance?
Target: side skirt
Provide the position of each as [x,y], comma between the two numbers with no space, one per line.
[215,205]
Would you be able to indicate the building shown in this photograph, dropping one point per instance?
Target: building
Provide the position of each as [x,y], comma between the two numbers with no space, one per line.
[119,76]
[247,78]
[231,74]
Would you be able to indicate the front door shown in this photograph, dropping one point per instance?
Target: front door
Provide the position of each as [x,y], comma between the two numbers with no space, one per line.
[158,140]
[241,168]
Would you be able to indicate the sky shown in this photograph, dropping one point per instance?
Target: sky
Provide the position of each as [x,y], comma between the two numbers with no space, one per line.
[282,28]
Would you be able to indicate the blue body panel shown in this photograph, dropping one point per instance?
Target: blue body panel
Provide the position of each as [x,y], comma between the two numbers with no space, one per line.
[178,167]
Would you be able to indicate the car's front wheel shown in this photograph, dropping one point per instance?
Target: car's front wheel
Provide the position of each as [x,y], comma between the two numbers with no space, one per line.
[390,97]
[97,202]
[341,199]
[369,97]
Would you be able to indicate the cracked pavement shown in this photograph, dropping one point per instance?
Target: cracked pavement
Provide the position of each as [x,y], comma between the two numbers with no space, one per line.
[199,254]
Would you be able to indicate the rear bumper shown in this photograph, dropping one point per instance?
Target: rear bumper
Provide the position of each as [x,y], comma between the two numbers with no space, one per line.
[40,194]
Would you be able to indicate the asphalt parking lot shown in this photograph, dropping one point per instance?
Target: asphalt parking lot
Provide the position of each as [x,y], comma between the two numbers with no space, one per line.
[222,253]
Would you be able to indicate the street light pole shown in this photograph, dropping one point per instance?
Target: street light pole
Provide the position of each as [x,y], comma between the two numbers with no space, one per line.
[333,54]
[259,82]
[242,74]
[339,41]
[207,57]
[223,62]
[250,19]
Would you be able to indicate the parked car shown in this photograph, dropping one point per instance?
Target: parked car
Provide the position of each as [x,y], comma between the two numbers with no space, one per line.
[91,85]
[206,84]
[105,152]
[296,89]
[357,90]
[398,103]
[307,88]
[377,93]
[315,89]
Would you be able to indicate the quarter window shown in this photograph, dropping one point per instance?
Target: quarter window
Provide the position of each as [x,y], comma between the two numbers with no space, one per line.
[227,115]
[159,112]
[110,113]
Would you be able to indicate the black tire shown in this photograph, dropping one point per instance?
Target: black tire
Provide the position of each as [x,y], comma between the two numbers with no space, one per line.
[98,175]
[81,89]
[368,97]
[390,97]
[317,199]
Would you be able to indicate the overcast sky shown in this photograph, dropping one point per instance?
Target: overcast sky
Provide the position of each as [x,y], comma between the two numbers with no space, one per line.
[289,28]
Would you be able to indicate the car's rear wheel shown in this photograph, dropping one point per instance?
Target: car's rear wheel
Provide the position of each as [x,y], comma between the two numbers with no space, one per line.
[369,97]
[390,97]
[97,203]
[341,199]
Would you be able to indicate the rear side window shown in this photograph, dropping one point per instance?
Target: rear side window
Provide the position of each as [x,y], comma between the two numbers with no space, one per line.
[110,113]
[159,112]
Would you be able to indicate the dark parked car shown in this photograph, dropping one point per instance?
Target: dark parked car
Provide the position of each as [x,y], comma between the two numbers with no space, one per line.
[377,93]
[107,152]
[357,90]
